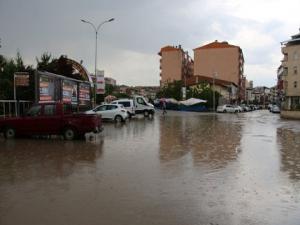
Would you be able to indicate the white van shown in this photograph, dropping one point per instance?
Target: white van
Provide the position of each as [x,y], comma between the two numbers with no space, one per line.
[142,106]
[137,105]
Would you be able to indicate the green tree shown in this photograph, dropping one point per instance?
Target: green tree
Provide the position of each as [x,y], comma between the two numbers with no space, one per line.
[171,90]
[59,66]
[109,89]
[121,95]
[7,69]
[205,92]
[44,63]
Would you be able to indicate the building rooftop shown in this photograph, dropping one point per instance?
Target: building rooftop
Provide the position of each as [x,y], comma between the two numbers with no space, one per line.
[169,48]
[199,79]
[295,39]
[217,44]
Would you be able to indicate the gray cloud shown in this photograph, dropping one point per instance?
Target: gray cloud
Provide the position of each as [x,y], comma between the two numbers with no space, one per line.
[128,46]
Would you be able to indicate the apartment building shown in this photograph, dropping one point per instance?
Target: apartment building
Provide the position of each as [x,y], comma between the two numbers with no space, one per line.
[223,61]
[262,95]
[249,90]
[175,64]
[289,74]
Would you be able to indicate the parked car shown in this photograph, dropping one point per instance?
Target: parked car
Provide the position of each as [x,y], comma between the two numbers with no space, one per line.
[270,106]
[247,108]
[114,112]
[227,108]
[51,119]
[128,105]
[239,108]
[275,109]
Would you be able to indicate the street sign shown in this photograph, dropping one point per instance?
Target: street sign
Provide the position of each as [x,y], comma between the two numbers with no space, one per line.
[21,79]
[100,82]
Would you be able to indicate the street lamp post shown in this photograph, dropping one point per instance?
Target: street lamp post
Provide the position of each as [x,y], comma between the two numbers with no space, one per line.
[96,32]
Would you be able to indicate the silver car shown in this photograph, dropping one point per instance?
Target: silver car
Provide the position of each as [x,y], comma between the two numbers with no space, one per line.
[227,108]
[114,112]
[275,109]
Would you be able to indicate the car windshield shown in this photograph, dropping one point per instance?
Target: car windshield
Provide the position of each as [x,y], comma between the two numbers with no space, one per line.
[141,101]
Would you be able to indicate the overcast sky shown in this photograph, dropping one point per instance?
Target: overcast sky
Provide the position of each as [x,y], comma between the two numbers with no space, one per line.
[129,45]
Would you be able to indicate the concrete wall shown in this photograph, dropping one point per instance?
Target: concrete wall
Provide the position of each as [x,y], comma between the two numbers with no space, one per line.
[290,114]
[291,61]
[223,61]
[171,66]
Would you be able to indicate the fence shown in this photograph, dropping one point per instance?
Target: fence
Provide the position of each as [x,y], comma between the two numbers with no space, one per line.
[10,108]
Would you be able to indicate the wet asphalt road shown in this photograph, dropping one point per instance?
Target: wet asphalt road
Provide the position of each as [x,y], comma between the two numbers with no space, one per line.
[184,168]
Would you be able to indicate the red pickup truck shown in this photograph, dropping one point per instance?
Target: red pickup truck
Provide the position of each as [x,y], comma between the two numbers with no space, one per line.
[51,118]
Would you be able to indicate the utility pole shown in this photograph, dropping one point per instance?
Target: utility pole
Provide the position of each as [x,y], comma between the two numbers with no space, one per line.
[96,29]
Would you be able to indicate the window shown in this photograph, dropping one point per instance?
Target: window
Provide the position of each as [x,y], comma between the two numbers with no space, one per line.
[295,70]
[125,104]
[34,111]
[49,110]
[100,108]
[67,109]
[141,101]
[295,84]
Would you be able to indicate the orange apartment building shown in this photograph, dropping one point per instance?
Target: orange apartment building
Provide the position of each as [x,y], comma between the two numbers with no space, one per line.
[175,64]
[223,61]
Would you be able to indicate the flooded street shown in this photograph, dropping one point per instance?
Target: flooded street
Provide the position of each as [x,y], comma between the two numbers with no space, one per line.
[182,169]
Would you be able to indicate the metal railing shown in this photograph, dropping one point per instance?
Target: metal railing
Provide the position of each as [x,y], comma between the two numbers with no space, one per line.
[11,108]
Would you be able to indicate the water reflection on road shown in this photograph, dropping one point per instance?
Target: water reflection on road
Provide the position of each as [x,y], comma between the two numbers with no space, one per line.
[182,168]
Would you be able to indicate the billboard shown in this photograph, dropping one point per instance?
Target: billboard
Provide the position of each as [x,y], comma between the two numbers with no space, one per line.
[69,92]
[84,94]
[21,79]
[52,87]
[46,89]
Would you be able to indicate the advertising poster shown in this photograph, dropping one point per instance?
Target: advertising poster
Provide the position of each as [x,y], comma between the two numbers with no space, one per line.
[46,89]
[69,91]
[75,93]
[84,94]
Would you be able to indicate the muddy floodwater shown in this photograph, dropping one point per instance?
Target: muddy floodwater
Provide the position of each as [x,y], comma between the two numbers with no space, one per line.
[180,169]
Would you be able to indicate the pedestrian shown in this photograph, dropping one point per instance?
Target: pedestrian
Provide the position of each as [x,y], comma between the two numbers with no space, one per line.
[164,106]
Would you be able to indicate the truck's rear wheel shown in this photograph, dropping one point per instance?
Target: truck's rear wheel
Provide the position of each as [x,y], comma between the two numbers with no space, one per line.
[69,134]
[9,133]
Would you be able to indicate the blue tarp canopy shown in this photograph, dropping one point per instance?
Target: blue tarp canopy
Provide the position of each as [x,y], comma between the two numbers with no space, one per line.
[192,101]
